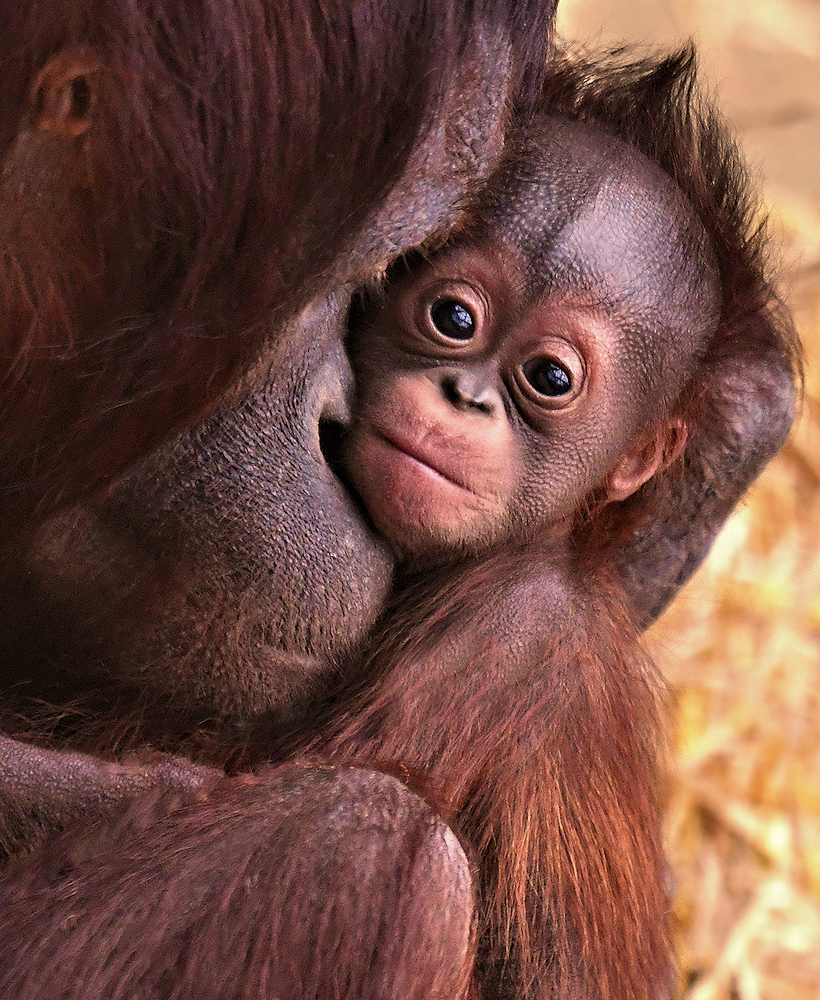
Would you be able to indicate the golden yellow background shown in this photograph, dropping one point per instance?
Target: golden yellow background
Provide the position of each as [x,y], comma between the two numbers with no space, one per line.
[741,647]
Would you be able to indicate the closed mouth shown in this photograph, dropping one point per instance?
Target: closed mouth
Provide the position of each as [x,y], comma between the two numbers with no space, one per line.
[419,455]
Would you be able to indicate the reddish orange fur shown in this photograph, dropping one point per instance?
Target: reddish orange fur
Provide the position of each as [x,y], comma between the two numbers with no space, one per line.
[548,765]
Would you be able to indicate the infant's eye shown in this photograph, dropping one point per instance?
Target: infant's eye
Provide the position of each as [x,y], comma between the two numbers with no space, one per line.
[548,377]
[452,319]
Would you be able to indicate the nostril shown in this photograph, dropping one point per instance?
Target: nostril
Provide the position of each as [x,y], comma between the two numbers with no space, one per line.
[463,393]
[484,400]
[451,391]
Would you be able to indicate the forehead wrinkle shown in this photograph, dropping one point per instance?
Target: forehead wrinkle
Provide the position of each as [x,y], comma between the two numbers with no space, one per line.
[589,290]
[536,203]
[541,224]
[639,243]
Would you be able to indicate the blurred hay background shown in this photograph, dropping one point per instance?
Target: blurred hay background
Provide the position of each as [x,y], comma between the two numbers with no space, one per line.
[741,647]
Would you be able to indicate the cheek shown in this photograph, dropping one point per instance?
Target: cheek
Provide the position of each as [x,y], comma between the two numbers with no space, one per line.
[565,468]
[556,484]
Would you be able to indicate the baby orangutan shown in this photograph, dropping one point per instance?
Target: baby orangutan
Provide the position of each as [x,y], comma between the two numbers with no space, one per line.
[569,367]
[534,365]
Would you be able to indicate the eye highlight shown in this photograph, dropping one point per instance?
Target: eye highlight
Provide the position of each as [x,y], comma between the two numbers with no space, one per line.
[452,319]
[554,377]
[548,377]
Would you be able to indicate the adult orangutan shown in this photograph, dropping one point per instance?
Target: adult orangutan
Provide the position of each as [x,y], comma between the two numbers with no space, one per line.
[229,580]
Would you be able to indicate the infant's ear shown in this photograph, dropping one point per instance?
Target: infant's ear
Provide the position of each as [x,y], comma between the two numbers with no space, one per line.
[652,453]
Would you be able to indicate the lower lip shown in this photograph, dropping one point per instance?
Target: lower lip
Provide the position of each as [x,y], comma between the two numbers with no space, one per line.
[398,455]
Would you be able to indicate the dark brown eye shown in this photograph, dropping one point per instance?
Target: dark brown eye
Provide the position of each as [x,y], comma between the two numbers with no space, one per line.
[548,377]
[452,319]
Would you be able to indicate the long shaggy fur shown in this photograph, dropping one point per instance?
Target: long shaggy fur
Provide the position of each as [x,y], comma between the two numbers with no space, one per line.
[544,755]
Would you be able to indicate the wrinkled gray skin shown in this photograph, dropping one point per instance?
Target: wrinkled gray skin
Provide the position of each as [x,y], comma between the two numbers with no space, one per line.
[267,570]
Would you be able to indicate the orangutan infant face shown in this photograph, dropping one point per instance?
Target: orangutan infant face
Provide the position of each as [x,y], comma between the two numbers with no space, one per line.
[504,380]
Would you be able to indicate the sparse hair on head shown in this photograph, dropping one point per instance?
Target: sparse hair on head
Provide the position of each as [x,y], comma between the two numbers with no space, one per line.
[657,105]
